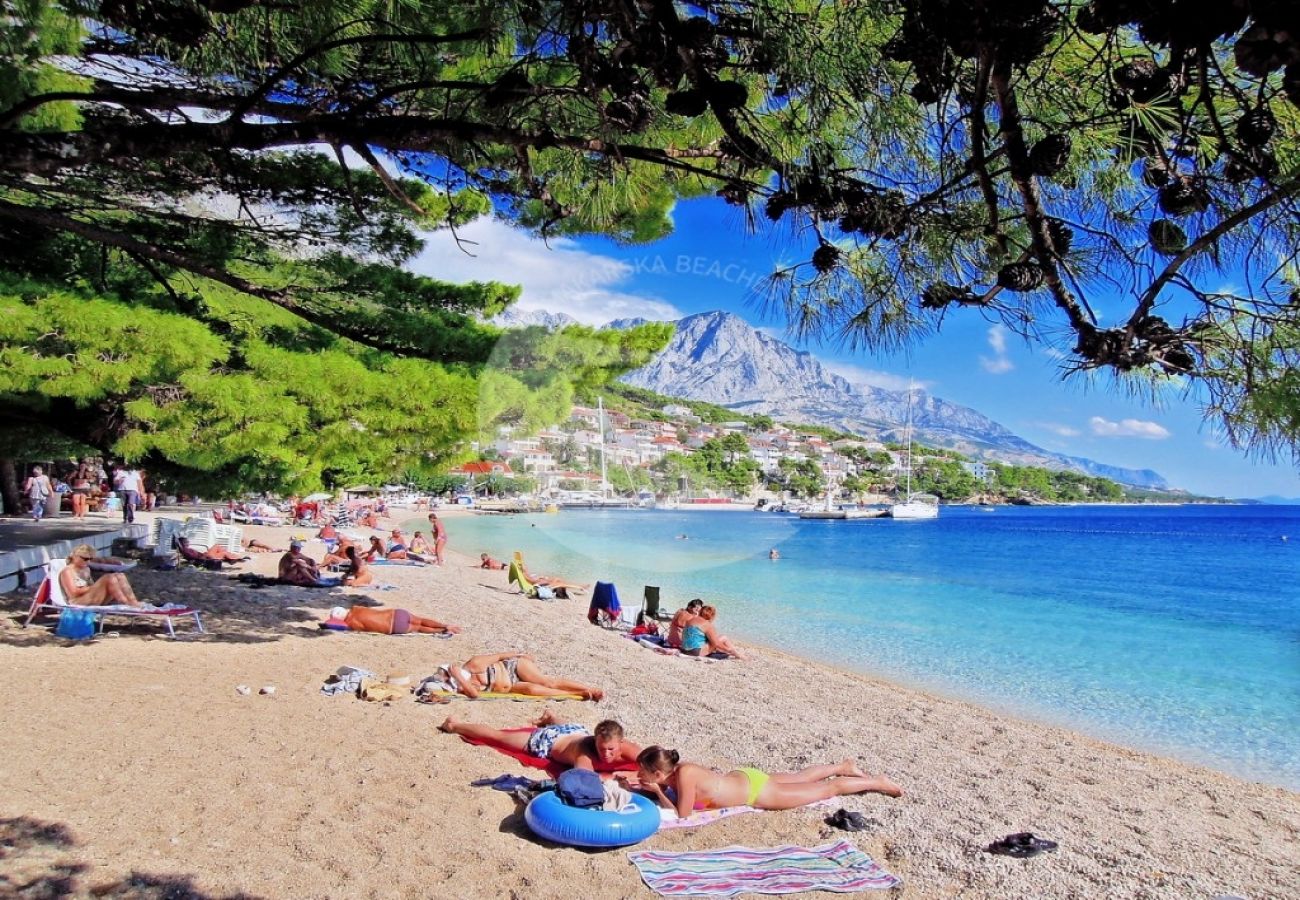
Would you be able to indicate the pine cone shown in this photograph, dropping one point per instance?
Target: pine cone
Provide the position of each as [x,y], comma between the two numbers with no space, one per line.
[1155,174]
[1184,195]
[1050,155]
[940,294]
[825,258]
[1020,277]
[1241,168]
[735,193]
[1062,236]
[1139,77]
[1259,52]
[690,103]
[727,95]
[1166,237]
[884,215]
[777,204]
[1256,127]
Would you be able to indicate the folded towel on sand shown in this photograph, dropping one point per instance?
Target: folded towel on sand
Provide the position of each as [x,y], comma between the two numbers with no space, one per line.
[838,867]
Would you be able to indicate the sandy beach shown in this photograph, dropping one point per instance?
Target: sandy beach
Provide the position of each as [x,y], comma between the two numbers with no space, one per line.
[133,768]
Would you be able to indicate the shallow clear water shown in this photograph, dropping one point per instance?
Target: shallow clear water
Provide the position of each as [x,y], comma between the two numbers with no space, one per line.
[1175,629]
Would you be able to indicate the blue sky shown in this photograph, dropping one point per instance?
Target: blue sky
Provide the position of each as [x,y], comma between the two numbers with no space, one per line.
[710,263]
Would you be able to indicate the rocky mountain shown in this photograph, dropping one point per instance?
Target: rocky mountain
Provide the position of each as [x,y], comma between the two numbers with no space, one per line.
[720,358]
[519,318]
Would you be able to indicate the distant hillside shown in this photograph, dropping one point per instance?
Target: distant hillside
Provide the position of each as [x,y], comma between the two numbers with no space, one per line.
[719,358]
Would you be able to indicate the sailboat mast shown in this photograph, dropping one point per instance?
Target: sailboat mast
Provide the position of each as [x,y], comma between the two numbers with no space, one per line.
[909,442]
[604,481]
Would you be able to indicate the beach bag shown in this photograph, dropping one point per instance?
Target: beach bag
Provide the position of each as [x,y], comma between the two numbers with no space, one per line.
[580,788]
[76,624]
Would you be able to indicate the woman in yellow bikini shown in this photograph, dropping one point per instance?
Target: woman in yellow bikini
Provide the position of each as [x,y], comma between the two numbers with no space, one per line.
[696,786]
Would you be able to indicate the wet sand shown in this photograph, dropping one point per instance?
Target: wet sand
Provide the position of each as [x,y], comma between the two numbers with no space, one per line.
[132,767]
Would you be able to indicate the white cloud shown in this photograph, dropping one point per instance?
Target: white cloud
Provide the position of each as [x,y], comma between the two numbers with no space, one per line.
[1061,430]
[873,377]
[1150,431]
[998,363]
[556,276]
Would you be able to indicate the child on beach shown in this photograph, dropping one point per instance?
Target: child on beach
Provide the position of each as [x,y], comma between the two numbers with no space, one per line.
[695,786]
[566,743]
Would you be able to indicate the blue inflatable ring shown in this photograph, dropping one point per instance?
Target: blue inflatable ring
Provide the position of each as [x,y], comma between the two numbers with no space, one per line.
[550,818]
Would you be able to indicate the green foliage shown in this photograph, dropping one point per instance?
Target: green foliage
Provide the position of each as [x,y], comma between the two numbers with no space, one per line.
[802,478]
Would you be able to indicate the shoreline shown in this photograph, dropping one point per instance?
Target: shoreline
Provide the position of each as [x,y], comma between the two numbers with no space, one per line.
[353,797]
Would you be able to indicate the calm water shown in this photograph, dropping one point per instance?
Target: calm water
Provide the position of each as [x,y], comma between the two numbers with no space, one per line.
[1175,629]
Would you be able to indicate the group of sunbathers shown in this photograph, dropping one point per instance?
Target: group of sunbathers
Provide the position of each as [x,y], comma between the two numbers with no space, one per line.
[692,631]
[660,773]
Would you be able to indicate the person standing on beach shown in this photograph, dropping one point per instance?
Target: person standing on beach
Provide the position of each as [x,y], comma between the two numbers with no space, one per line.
[38,490]
[567,743]
[439,537]
[129,483]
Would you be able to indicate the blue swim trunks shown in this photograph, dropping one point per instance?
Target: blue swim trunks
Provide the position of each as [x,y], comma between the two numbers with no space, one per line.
[542,740]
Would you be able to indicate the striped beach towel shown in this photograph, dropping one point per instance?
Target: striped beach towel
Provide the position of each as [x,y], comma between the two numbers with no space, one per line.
[838,867]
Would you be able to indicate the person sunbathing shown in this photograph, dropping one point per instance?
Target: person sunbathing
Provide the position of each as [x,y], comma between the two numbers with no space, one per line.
[213,554]
[554,582]
[700,638]
[487,562]
[567,743]
[81,588]
[389,621]
[513,672]
[697,787]
[253,545]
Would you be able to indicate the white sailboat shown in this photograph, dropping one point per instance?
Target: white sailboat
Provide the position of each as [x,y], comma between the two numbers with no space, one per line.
[914,506]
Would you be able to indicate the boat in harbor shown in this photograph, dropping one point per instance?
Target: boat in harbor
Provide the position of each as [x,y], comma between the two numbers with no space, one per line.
[914,506]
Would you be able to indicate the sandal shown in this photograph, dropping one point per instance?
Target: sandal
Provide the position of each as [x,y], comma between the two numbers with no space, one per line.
[1021,845]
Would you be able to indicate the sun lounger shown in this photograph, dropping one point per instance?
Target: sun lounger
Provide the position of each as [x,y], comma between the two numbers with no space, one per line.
[49,596]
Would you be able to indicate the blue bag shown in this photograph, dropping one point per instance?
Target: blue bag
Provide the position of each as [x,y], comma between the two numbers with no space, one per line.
[76,624]
[580,788]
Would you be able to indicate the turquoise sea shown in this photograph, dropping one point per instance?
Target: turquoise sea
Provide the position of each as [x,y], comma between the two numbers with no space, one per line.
[1173,629]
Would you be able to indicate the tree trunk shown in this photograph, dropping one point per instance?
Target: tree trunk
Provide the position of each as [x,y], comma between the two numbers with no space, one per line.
[13,505]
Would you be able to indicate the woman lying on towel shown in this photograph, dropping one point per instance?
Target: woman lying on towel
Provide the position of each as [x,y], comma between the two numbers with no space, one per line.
[211,555]
[698,787]
[82,589]
[388,621]
[514,672]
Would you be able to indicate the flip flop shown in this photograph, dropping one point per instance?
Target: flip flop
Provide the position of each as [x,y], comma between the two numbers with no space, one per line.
[849,821]
[1021,845]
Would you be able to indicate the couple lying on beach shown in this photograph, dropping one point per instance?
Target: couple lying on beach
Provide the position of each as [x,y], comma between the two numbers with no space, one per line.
[660,770]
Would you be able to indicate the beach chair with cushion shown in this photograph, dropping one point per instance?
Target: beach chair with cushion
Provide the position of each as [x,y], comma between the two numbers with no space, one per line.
[516,575]
[50,597]
[605,610]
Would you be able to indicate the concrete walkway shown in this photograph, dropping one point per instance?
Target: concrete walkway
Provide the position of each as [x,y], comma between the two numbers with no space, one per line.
[26,546]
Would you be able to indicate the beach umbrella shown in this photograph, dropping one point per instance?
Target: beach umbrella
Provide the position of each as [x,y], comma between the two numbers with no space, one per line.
[314,498]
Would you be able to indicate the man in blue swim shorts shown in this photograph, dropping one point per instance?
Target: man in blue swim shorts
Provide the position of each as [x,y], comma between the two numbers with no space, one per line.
[567,743]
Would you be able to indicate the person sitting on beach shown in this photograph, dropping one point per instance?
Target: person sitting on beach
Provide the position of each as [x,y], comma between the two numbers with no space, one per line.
[697,787]
[567,743]
[376,551]
[396,548]
[339,555]
[296,568]
[487,562]
[357,573]
[213,554]
[679,620]
[700,638]
[81,588]
[389,621]
[419,546]
[513,672]
[368,519]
